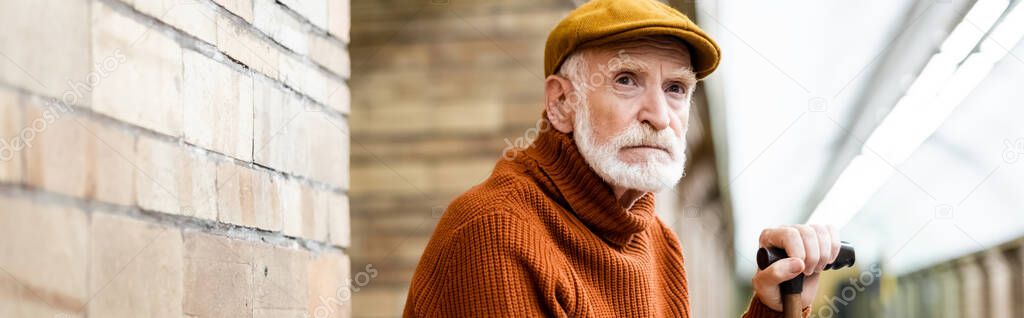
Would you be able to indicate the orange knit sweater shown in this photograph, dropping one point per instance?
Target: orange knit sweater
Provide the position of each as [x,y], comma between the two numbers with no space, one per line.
[545,236]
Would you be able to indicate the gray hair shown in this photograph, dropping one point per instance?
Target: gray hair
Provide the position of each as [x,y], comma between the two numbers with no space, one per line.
[575,70]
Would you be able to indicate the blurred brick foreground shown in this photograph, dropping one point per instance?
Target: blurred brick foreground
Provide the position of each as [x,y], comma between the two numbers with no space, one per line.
[175,158]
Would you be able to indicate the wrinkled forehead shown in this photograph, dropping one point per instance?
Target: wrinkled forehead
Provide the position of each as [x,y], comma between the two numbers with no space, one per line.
[663,52]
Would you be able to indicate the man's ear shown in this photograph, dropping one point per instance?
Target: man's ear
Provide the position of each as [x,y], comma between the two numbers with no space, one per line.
[559,102]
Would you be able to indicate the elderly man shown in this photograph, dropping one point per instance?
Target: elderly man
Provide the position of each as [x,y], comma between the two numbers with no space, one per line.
[566,227]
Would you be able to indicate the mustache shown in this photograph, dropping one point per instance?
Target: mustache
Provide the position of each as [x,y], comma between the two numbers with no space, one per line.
[644,135]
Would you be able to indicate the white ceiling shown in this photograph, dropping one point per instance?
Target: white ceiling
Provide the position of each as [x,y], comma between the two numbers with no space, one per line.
[791,83]
[961,169]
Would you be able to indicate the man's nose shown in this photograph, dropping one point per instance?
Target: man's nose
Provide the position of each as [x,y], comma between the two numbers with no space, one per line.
[655,110]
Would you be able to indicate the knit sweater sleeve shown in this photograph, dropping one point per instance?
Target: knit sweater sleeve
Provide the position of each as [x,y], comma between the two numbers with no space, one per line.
[758,309]
[485,268]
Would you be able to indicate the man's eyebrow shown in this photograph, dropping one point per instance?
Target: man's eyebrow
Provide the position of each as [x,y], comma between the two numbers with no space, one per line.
[628,65]
[685,75]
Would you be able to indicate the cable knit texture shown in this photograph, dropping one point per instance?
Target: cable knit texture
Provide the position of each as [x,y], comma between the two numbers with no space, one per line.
[544,236]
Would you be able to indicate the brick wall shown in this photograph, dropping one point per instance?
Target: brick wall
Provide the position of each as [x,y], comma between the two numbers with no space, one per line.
[175,158]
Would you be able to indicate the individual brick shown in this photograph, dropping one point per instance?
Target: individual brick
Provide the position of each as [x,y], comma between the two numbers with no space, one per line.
[270,17]
[339,17]
[304,211]
[331,54]
[144,85]
[329,288]
[316,226]
[235,198]
[303,77]
[156,181]
[328,148]
[173,180]
[315,11]
[55,157]
[112,164]
[339,229]
[11,146]
[46,48]
[240,43]
[241,8]
[197,186]
[339,97]
[281,278]
[45,255]
[267,201]
[217,107]
[192,16]
[219,276]
[297,206]
[135,268]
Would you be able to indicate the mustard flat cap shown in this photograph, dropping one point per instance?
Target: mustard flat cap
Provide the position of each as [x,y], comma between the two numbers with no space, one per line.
[604,21]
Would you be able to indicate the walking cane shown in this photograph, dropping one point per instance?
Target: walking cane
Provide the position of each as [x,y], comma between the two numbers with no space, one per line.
[791,289]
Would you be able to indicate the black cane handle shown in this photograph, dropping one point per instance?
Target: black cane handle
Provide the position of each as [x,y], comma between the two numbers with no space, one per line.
[792,288]
[768,256]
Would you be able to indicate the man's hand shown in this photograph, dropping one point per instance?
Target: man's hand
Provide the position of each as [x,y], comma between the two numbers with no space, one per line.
[810,248]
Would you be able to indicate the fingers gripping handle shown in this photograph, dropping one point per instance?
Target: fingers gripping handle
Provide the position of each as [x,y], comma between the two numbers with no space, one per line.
[791,289]
[768,256]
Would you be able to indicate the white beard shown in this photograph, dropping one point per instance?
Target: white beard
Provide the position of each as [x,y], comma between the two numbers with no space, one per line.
[650,175]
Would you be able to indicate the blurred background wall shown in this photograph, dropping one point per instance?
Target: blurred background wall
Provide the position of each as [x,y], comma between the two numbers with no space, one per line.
[438,86]
[440,89]
[174,158]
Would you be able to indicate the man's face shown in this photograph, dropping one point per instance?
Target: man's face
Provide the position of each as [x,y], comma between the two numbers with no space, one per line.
[634,114]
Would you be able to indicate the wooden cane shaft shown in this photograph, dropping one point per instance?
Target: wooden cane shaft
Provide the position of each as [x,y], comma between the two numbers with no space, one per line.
[792,306]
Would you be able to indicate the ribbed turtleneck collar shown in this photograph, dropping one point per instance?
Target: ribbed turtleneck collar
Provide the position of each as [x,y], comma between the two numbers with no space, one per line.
[589,196]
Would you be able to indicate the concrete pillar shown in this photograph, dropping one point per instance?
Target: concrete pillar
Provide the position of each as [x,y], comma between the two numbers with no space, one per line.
[974,292]
[1000,284]
[949,287]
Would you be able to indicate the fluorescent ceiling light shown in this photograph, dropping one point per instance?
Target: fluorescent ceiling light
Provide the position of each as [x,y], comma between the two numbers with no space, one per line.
[942,85]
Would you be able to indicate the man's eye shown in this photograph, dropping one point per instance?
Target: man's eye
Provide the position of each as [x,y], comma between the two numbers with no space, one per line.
[675,88]
[624,80]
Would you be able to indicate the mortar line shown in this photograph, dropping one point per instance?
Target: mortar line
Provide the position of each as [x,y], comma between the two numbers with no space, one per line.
[182,222]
